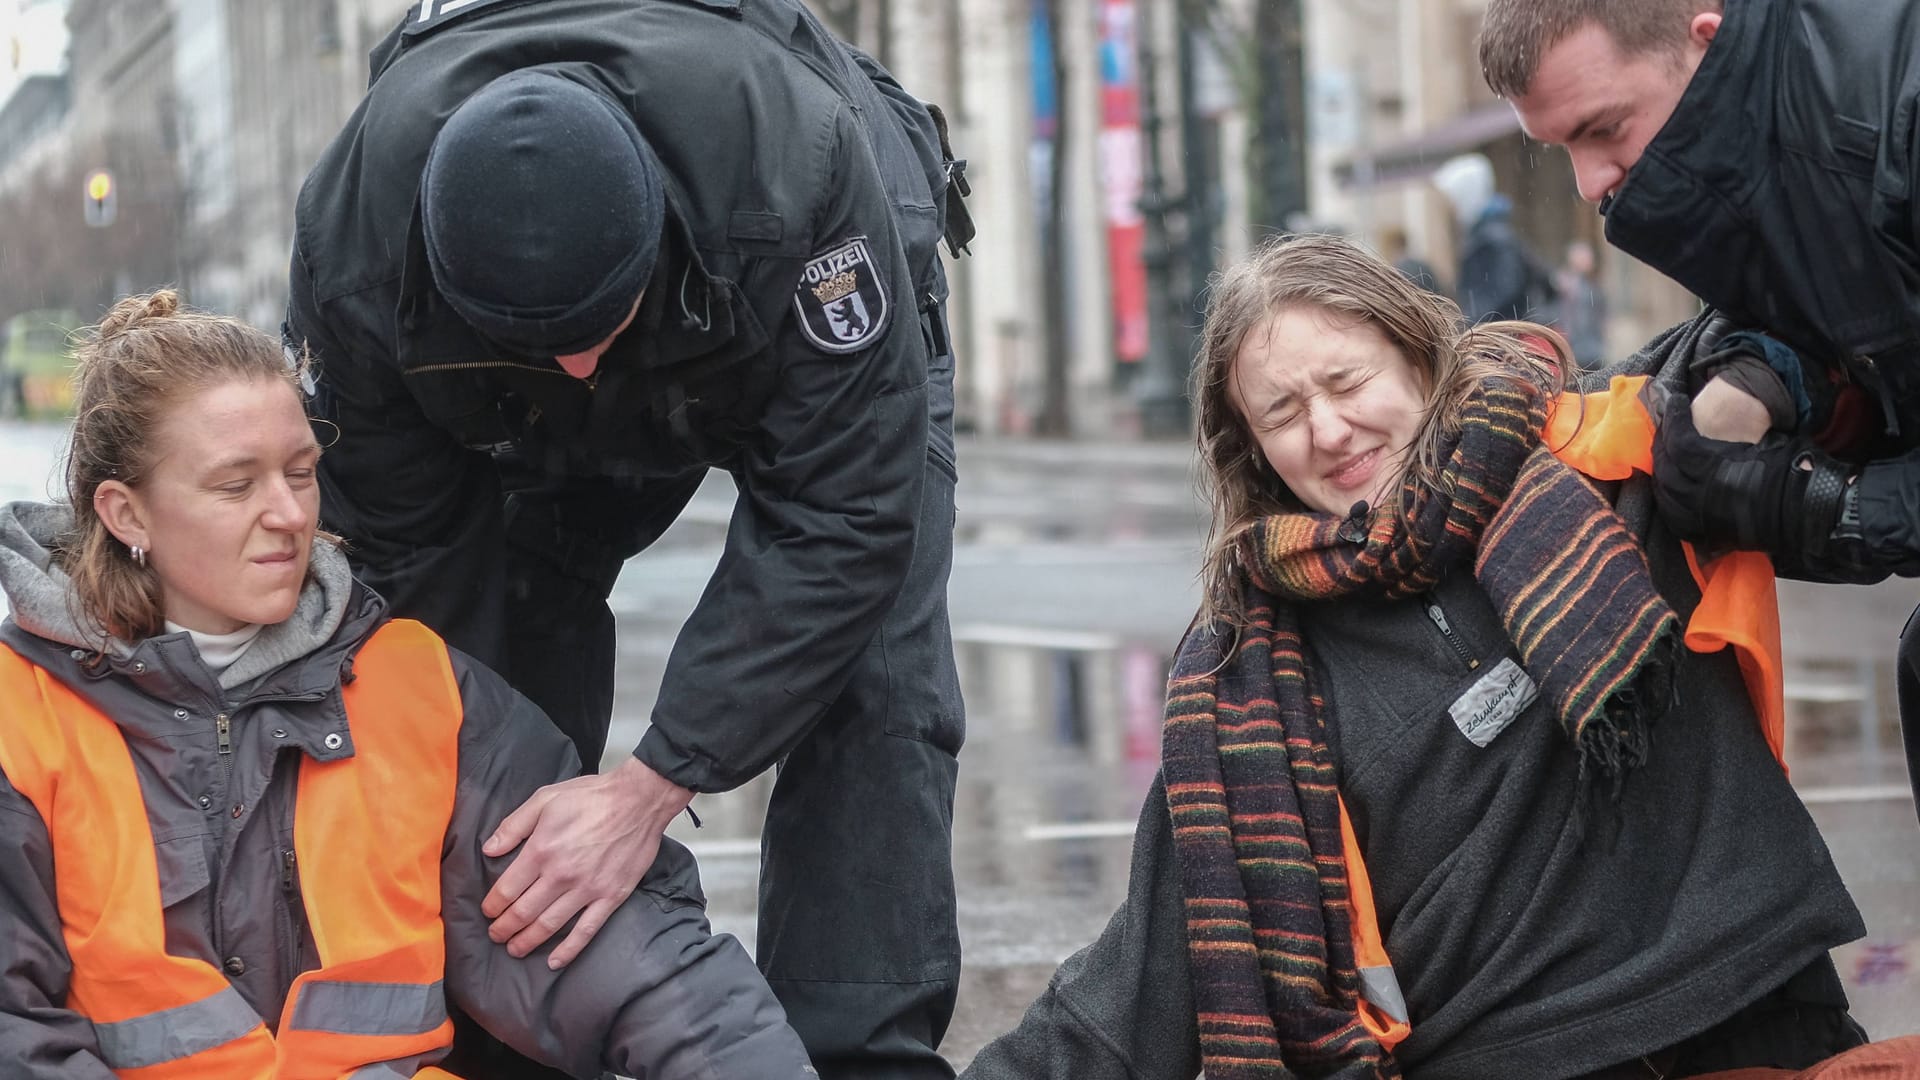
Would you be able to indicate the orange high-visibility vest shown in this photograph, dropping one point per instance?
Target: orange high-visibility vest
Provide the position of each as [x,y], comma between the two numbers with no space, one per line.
[1608,436]
[1383,1008]
[367,834]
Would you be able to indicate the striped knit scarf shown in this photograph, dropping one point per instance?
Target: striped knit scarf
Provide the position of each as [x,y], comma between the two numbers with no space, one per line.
[1251,780]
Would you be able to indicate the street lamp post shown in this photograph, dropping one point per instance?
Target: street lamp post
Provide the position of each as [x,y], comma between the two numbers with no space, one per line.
[1162,387]
[102,205]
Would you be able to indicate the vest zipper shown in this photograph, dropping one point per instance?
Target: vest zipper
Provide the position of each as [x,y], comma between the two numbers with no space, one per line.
[295,910]
[223,733]
[1439,618]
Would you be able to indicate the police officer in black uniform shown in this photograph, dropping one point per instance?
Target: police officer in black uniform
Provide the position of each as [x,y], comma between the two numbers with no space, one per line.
[566,257]
[1763,153]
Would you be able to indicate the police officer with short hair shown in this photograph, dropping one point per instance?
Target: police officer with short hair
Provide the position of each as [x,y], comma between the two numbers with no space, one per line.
[566,257]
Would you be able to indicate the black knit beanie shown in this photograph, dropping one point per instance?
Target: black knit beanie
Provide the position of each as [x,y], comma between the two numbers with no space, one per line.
[543,211]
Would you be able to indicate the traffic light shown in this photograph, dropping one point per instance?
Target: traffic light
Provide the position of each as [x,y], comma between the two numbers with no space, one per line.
[103,197]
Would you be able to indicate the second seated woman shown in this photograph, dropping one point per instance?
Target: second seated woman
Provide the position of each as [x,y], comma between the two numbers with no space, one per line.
[1444,794]
[242,809]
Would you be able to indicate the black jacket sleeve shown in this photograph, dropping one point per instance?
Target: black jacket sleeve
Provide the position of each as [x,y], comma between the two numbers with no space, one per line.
[1890,515]
[823,532]
[1889,542]
[40,1038]
[656,994]
[420,512]
[1121,1008]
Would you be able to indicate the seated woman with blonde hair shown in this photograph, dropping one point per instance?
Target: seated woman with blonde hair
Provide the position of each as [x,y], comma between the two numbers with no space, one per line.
[241,809]
[1443,793]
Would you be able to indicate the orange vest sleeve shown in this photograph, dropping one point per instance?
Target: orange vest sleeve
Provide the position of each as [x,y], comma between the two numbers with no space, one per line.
[1740,608]
[1608,435]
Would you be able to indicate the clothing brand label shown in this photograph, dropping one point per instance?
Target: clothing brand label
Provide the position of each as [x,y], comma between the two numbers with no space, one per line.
[840,300]
[1488,706]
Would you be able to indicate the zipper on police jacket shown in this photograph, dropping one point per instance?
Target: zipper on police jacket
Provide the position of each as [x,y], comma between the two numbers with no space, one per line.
[286,870]
[1439,618]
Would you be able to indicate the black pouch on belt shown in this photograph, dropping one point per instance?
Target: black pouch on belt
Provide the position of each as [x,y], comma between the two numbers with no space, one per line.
[960,230]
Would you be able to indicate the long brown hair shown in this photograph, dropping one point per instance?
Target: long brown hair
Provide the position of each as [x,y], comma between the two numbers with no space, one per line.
[1354,286]
[147,355]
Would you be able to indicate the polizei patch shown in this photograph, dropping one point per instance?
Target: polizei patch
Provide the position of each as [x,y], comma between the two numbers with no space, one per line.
[842,305]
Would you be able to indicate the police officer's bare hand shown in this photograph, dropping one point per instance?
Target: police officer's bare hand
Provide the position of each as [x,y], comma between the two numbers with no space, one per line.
[587,842]
[1725,412]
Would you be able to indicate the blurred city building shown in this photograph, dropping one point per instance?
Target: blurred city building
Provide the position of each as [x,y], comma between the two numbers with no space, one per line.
[244,94]
[1118,151]
[35,93]
[206,114]
[1395,90]
[1272,116]
[1078,311]
[32,123]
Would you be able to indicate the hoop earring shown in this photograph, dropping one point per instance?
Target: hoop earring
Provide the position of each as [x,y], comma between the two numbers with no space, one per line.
[139,555]
[331,426]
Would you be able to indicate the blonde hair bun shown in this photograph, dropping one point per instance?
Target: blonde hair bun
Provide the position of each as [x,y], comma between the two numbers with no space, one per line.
[129,312]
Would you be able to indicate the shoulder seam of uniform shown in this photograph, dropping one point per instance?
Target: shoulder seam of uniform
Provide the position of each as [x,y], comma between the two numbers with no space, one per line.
[328,297]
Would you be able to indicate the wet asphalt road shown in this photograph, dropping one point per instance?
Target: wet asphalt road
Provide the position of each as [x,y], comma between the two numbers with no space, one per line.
[1073,577]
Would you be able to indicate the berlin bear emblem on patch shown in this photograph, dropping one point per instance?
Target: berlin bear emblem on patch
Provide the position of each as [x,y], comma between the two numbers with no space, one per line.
[842,304]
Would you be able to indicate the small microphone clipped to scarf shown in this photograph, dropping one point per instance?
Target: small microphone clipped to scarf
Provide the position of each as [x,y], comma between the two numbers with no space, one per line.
[1354,529]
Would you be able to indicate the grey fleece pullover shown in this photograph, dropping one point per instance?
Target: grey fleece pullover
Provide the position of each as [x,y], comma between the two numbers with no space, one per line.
[655,995]
[1527,948]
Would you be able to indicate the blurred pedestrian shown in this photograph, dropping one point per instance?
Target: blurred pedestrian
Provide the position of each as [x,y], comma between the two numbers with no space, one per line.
[1426,757]
[1762,154]
[565,259]
[1396,250]
[1580,313]
[242,808]
[1499,276]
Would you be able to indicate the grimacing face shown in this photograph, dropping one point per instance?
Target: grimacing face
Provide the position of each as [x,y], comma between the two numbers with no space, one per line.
[229,506]
[1605,106]
[1333,405]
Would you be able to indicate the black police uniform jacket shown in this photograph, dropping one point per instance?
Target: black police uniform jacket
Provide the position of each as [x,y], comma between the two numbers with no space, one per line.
[779,337]
[1781,193]
[1780,189]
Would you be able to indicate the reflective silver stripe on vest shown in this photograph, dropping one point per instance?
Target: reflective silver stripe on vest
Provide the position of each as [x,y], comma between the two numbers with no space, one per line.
[1381,987]
[357,1008]
[179,1032]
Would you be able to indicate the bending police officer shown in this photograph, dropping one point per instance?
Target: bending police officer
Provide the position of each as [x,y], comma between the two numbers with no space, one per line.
[1761,153]
[567,256]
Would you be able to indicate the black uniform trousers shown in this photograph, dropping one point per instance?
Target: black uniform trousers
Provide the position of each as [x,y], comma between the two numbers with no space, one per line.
[857,926]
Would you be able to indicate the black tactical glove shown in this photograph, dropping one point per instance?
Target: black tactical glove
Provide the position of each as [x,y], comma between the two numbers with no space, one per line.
[1782,496]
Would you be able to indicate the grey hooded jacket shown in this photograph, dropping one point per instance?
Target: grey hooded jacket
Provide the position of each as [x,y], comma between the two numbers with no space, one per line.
[656,994]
